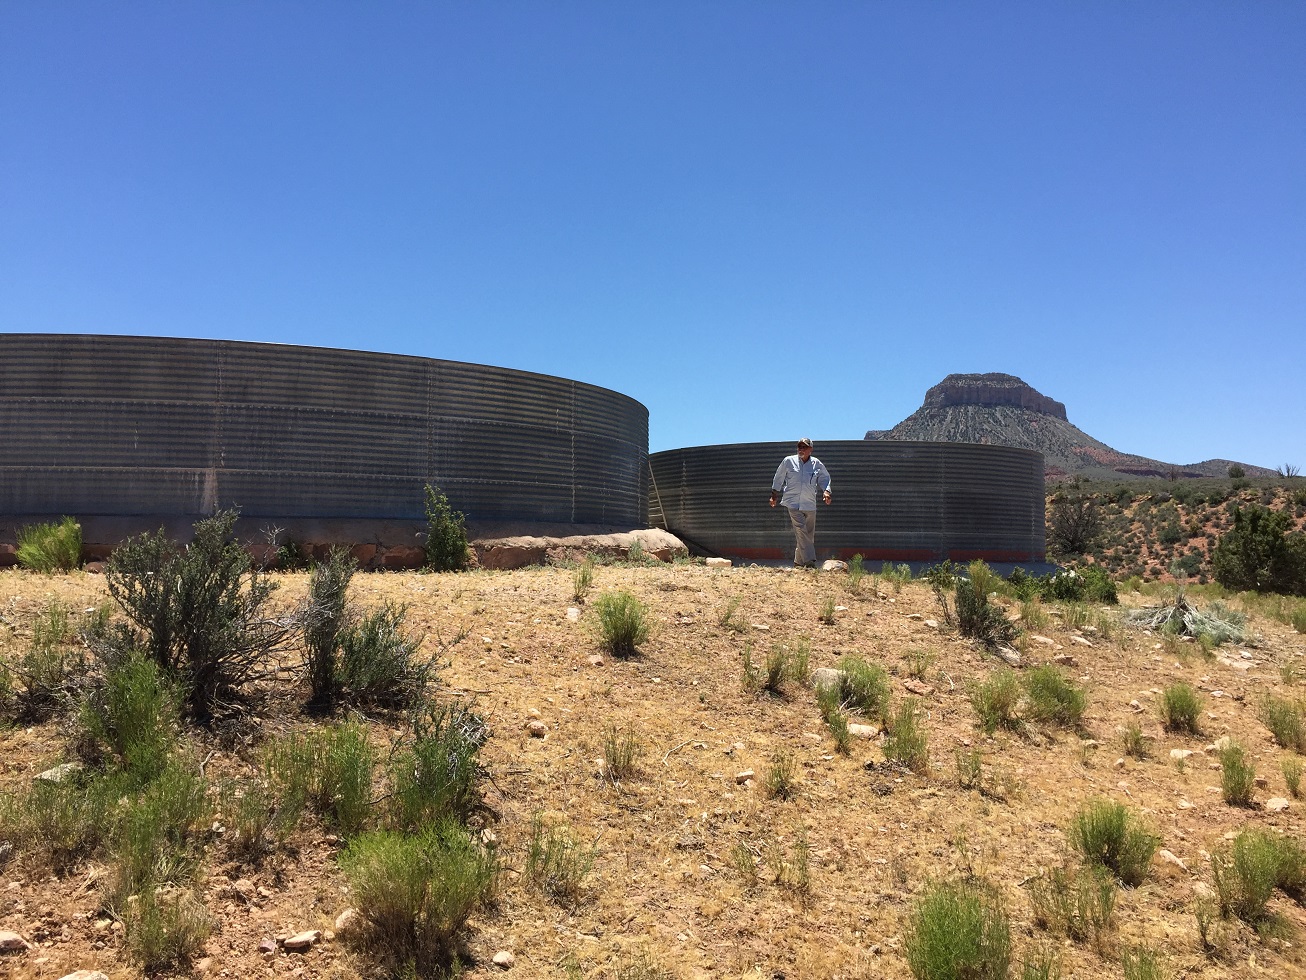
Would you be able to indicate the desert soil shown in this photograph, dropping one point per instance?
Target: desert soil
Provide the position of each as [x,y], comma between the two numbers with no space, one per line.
[663,882]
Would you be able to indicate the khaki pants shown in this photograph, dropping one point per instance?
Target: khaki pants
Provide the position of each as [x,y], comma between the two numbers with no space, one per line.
[804,522]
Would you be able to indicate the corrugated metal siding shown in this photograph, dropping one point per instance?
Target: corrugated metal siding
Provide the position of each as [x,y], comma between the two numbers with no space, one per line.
[905,501]
[99,425]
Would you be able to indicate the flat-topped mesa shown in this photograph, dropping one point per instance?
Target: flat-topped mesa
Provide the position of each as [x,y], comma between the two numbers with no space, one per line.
[991,389]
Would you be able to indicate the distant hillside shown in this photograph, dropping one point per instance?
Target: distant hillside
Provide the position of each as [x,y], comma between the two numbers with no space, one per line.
[1002,410]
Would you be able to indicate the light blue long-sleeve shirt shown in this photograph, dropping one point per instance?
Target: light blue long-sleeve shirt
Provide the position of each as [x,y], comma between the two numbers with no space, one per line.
[801,484]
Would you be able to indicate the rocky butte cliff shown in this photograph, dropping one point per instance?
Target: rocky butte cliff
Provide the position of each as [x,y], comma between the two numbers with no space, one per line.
[1002,410]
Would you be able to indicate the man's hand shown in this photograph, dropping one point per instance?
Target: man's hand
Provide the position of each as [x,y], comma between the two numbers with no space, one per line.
[774,497]
[827,498]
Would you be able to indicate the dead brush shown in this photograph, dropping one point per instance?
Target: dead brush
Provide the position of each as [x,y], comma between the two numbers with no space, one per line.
[622,750]
[556,863]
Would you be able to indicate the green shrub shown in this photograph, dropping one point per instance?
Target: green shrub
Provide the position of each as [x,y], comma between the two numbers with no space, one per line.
[1032,615]
[1292,769]
[730,619]
[641,966]
[1135,744]
[134,716]
[434,771]
[864,687]
[446,534]
[556,863]
[1284,720]
[63,822]
[906,741]
[826,615]
[50,547]
[1237,775]
[1247,873]
[52,669]
[856,572]
[1180,708]
[980,619]
[378,660]
[1078,903]
[415,893]
[200,612]
[1261,553]
[155,839]
[996,701]
[1141,963]
[623,622]
[328,771]
[324,617]
[778,783]
[959,931]
[1108,834]
[983,579]
[1053,698]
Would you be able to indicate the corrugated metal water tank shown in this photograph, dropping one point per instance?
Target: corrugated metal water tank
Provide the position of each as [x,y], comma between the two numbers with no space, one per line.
[899,501]
[100,425]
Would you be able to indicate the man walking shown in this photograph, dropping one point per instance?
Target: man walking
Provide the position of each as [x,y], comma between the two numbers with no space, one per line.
[798,482]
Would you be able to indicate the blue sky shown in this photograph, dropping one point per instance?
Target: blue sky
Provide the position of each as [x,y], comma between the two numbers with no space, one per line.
[760,219]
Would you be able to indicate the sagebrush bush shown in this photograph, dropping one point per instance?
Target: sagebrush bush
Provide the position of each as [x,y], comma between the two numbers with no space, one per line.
[1109,834]
[200,612]
[980,619]
[53,668]
[623,622]
[1053,698]
[1180,708]
[1284,720]
[582,579]
[864,687]
[1247,872]
[324,616]
[155,838]
[959,930]
[446,534]
[622,750]
[416,892]
[996,701]
[435,769]
[379,662]
[50,547]
[328,771]
[165,928]
[1075,902]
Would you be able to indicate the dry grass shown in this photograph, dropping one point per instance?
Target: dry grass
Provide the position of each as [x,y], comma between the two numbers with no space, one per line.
[668,883]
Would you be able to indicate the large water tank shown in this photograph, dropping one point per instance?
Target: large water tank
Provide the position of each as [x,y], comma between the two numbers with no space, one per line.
[101,425]
[892,501]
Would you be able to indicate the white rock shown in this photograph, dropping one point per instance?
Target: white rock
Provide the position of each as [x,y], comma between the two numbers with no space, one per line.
[59,773]
[1169,858]
[1081,641]
[826,677]
[862,731]
[11,942]
[504,959]
[718,563]
[302,942]
[761,626]
[85,975]
[914,616]
[1047,642]
[1009,655]
[744,776]
[573,613]
[932,623]
[594,660]
[348,919]
[537,729]
[1179,755]
[834,565]
[1277,803]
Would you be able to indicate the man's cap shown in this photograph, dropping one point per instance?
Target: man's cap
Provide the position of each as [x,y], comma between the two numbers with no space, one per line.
[804,442]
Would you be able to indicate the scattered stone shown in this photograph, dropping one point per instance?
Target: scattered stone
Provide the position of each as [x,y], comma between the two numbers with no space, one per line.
[533,713]
[59,773]
[1262,782]
[1119,763]
[573,613]
[348,919]
[761,626]
[1065,660]
[85,975]
[915,616]
[1220,744]
[537,729]
[862,731]
[11,942]
[718,563]
[302,942]
[1185,805]
[1009,656]
[1180,755]
[918,687]
[1169,858]
[267,946]
[932,623]
[834,565]
[1277,804]
[504,959]
[1046,641]
[1135,705]
[840,608]
[745,776]
[1080,640]
[594,660]
[826,677]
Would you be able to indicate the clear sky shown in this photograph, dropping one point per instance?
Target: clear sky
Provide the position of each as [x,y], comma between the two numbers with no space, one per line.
[760,219]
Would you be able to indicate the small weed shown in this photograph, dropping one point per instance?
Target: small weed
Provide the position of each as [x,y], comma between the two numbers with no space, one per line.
[898,575]
[556,863]
[434,769]
[856,572]
[153,840]
[1079,903]
[744,864]
[1075,615]
[1292,768]
[827,612]
[970,769]
[1053,698]
[959,929]
[164,928]
[996,700]
[838,724]
[328,771]
[1237,775]
[134,716]
[1141,963]
[1041,964]
[1180,709]
[641,966]
[1289,674]
[1108,834]
[379,662]
[778,783]
[1033,616]
[730,619]
[623,622]
[622,751]
[919,662]
[906,741]
[582,580]
[1246,874]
